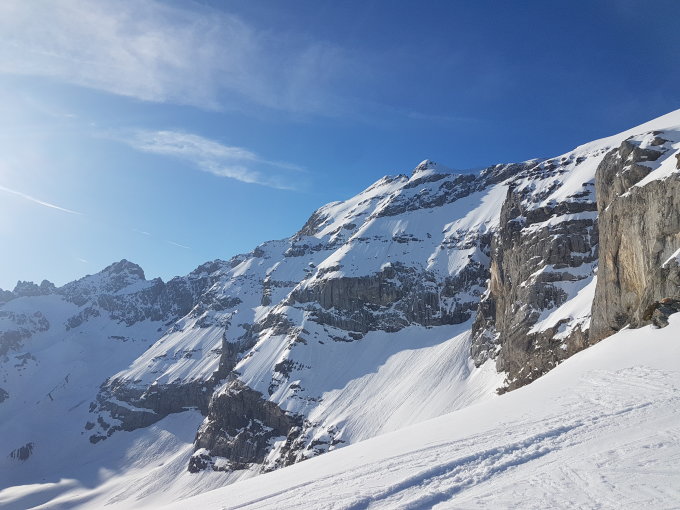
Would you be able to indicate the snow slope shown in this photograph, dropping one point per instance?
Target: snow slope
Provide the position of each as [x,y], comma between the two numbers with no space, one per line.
[602,430]
[51,382]
[611,441]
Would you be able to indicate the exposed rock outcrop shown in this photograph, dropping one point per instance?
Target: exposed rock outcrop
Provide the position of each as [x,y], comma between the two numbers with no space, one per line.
[124,407]
[240,428]
[546,252]
[543,253]
[22,453]
[659,311]
[388,300]
[639,236]
[18,327]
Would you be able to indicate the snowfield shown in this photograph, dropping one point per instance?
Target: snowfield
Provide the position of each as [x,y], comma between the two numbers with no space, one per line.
[602,430]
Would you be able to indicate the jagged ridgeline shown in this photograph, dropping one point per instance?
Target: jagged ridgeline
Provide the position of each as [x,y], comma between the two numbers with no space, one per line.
[418,296]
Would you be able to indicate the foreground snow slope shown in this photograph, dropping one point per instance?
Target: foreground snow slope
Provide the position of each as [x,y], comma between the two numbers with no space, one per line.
[602,430]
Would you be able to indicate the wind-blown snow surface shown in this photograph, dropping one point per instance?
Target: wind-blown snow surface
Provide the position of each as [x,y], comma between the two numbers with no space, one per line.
[602,430]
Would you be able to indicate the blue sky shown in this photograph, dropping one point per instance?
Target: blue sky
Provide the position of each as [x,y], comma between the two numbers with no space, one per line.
[171,133]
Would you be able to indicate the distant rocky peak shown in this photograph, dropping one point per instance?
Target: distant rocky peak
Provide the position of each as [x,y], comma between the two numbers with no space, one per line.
[430,166]
[23,289]
[124,267]
[118,276]
[6,295]
[110,280]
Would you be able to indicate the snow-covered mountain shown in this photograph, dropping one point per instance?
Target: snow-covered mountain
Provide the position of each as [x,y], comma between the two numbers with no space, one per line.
[610,442]
[420,296]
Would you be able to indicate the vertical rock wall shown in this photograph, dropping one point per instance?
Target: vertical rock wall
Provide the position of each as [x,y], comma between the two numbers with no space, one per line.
[639,238]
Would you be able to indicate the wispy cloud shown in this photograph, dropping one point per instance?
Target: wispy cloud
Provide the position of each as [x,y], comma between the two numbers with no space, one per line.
[185,53]
[178,245]
[443,118]
[214,157]
[168,241]
[37,200]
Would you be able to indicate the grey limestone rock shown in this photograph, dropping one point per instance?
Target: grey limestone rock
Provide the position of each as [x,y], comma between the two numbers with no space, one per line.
[240,426]
[530,262]
[121,406]
[639,234]
[659,311]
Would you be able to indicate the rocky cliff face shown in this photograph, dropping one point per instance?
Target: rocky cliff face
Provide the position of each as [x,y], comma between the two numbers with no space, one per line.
[611,203]
[639,214]
[543,255]
[420,295]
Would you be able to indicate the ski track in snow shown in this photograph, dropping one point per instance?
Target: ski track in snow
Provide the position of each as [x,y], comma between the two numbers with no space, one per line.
[436,480]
